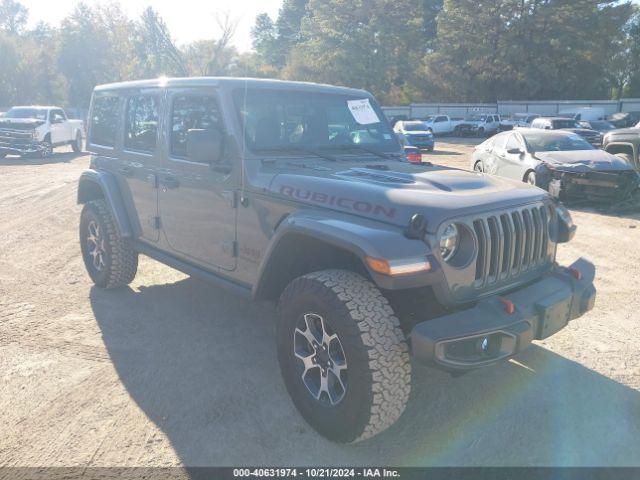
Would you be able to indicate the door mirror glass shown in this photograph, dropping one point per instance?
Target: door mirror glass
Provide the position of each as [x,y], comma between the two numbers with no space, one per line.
[204,146]
[515,151]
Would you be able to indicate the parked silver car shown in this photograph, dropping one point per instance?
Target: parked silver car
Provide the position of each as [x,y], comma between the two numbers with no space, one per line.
[561,162]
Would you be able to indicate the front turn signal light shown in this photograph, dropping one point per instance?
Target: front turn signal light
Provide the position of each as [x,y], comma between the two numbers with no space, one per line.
[398,267]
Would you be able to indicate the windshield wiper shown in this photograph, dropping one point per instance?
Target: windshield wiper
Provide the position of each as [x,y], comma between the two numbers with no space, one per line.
[293,149]
[368,150]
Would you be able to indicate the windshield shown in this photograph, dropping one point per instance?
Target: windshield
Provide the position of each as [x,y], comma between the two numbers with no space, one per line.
[555,142]
[415,127]
[290,120]
[568,123]
[39,113]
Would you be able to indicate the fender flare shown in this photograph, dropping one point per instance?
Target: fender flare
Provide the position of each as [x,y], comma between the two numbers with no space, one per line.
[361,237]
[108,186]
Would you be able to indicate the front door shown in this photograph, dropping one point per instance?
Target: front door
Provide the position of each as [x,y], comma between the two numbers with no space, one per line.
[59,127]
[196,201]
[512,164]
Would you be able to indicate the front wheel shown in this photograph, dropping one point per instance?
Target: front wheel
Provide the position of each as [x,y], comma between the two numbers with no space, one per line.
[109,258]
[342,354]
[46,148]
[77,143]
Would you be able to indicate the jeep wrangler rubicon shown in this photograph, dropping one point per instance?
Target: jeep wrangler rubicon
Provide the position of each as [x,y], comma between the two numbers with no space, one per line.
[300,194]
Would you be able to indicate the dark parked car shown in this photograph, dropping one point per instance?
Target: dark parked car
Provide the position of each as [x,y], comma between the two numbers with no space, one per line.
[416,134]
[300,194]
[561,162]
[560,123]
[624,119]
[600,126]
[624,143]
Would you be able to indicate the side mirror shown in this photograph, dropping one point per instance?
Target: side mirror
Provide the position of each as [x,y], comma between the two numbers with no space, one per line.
[515,151]
[204,146]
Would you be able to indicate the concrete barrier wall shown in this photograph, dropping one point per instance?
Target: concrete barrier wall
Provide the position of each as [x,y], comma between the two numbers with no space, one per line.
[543,107]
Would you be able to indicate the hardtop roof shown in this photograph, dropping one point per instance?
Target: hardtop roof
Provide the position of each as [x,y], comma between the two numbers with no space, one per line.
[229,82]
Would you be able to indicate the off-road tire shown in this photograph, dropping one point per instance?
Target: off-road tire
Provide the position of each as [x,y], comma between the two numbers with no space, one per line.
[376,352]
[77,143]
[120,259]
[626,157]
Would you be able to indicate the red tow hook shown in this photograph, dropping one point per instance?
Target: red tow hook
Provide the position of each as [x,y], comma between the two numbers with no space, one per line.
[509,306]
[575,273]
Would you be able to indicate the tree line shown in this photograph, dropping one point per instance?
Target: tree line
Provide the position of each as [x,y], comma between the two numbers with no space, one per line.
[401,50]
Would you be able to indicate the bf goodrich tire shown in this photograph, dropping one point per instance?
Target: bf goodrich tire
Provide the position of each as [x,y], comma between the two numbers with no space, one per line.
[355,382]
[110,259]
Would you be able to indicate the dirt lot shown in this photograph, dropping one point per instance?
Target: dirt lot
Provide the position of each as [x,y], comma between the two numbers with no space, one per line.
[174,372]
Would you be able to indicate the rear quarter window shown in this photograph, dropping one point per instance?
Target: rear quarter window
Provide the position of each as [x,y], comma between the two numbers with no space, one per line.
[104,120]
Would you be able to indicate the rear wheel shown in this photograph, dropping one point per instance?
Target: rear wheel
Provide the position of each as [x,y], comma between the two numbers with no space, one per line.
[77,143]
[343,357]
[110,259]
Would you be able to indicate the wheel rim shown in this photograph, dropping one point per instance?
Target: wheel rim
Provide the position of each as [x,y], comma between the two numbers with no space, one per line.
[46,149]
[322,362]
[95,244]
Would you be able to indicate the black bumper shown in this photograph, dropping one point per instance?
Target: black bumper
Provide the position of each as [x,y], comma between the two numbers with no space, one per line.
[593,186]
[488,333]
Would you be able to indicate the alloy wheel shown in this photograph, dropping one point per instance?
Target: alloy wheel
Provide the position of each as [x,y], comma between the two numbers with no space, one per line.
[322,362]
[95,243]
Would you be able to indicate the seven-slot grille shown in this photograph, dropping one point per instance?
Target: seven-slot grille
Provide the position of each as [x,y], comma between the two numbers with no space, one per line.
[511,243]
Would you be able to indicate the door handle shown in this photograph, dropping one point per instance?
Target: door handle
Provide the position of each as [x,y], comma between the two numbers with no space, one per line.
[170,182]
[126,171]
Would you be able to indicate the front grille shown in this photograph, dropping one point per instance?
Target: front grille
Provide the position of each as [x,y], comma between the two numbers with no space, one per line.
[7,134]
[511,243]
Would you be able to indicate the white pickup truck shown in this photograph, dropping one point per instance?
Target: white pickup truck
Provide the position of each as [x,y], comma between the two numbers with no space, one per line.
[37,130]
[442,124]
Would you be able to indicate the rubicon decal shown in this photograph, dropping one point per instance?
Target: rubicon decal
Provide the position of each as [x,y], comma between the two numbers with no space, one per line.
[345,203]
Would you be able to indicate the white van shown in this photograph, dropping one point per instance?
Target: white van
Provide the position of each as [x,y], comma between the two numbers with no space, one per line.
[587,114]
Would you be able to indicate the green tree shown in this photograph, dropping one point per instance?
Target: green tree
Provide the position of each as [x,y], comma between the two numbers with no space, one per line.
[13,16]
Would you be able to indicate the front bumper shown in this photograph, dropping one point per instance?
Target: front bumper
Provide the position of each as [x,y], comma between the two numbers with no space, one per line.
[19,146]
[421,143]
[491,332]
[594,185]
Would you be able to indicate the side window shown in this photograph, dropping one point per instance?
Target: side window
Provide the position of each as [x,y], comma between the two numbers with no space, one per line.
[441,119]
[513,142]
[104,120]
[192,112]
[57,116]
[499,142]
[142,123]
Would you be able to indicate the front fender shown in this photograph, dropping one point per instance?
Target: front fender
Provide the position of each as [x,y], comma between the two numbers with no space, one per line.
[93,185]
[359,236]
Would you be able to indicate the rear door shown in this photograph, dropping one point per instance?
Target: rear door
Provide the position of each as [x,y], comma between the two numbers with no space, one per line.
[140,158]
[197,202]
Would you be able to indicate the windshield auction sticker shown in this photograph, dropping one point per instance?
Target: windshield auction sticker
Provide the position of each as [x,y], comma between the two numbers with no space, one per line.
[362,111]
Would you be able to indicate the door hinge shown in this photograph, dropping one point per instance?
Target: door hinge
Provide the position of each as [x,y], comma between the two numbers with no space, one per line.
[232,197]
[230,248]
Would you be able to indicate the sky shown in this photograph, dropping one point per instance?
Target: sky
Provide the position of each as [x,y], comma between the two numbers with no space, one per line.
[188,20]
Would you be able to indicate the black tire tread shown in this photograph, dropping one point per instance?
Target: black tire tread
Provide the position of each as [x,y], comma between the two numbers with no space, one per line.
[387,350]
[124,259]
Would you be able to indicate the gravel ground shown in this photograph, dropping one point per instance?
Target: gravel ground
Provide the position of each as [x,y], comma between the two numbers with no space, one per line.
[174,372]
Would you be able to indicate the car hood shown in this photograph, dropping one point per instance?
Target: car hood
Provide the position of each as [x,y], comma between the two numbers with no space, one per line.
[581,131]
[584,161]
[623,131]
[20,123]
[393,192]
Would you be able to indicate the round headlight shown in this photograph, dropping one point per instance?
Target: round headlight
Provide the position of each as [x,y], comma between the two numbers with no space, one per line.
[449,241]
